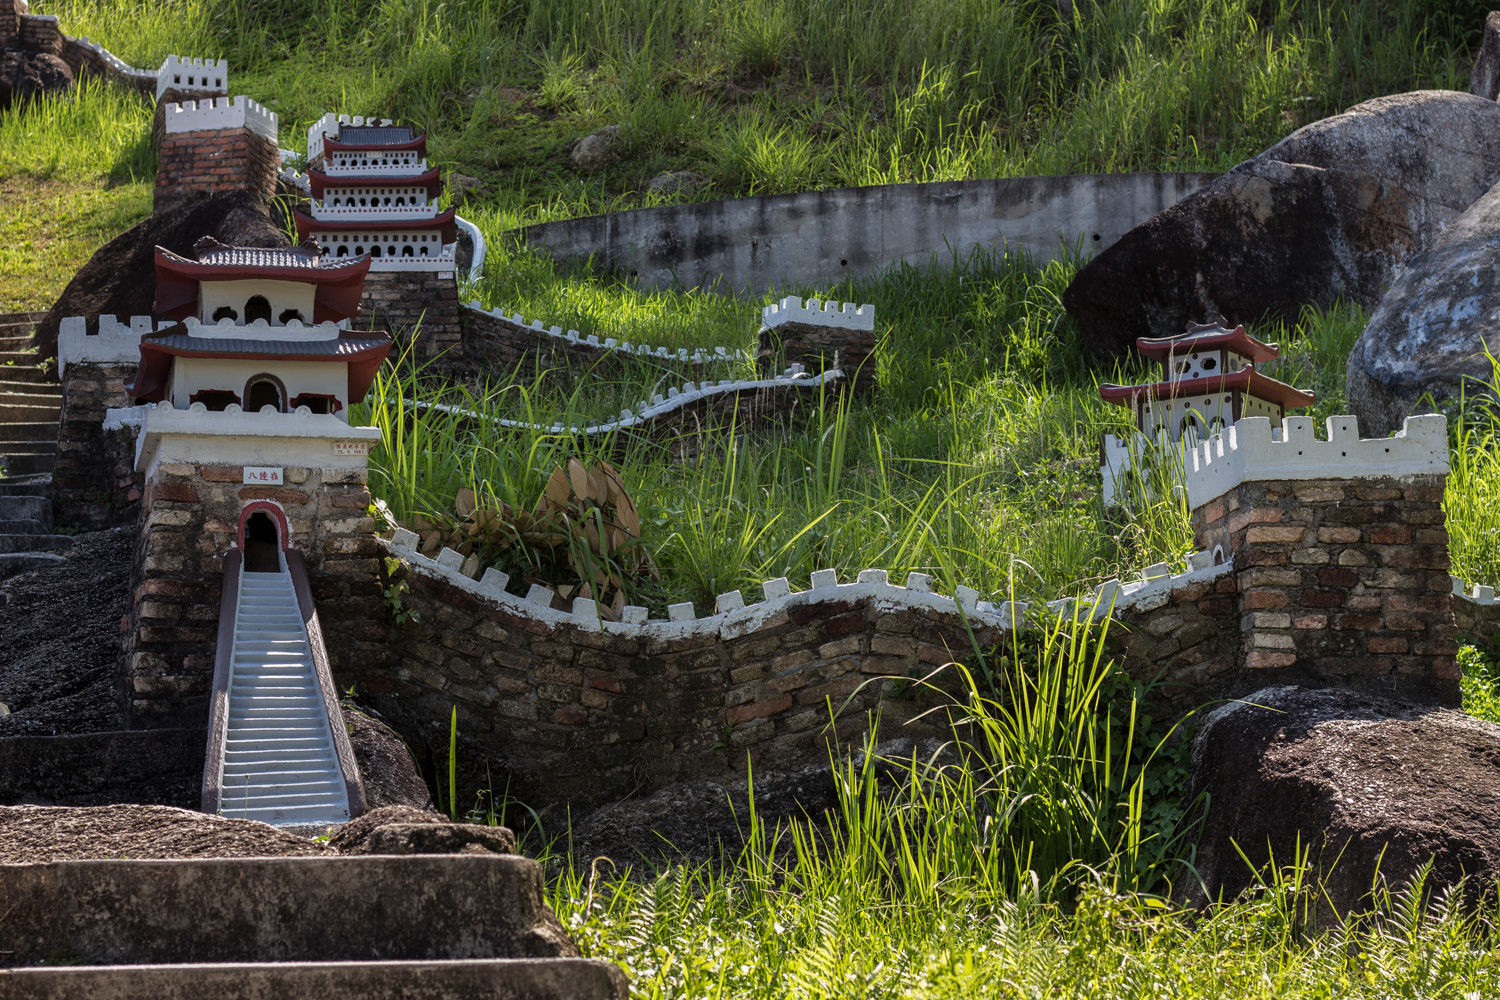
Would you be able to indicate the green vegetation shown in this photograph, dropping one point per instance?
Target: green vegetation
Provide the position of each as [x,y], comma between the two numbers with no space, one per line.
[1038,862]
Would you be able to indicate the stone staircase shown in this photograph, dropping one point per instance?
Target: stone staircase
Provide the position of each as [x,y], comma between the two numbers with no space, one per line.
[30,408]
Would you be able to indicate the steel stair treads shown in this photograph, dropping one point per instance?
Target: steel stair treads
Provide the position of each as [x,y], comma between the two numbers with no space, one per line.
[280,765]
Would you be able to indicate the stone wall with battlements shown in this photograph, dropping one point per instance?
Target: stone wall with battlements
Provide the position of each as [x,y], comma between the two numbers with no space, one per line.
[39,33]
[189,518]
[398,301]
[821,336]
[94,484]
[212,146]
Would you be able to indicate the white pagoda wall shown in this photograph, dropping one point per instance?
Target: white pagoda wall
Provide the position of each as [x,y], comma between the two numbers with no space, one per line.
[190,375]
[282,295]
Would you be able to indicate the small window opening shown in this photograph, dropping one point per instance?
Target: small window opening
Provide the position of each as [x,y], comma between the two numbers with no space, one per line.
[215,399]
[406,251]
[224,312]
[262,544]
[1209,364]
[343,250]
[264,390]
[287,315]
[259,307]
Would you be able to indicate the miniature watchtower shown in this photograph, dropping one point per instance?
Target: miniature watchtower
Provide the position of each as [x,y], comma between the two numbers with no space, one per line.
[248,414]
[373,192]
[215,145]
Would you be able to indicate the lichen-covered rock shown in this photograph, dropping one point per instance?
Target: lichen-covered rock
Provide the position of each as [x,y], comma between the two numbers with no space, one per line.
[385,764]
[1367,786]
[596,151]
[1331,212]
[675,183]
[1484,80]
[1431,331]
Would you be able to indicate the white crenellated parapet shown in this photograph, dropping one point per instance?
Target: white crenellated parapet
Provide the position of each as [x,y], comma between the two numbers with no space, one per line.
[113,343]
[329,125]
[814,312]
[177,73]
[232,436]
[733,617]
[1481,594]
[291,331]
[696,356]
[221,114]
[115,63]
[658,406]
[446,260]
[1247,452]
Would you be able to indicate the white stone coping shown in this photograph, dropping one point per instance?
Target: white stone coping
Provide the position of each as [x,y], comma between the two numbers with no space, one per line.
[156,420]
[732,617]
[221,113]
[658,406]
[1246,452]
[476,238]
[293,331]
[114,343]
[695,356]
[177,73]
[393,171]
[367,213]
[815,312]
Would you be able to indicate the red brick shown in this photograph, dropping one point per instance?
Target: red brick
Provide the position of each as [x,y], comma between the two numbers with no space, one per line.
[758,710]
[570,716]
[1390,536]
[1272,534]
[1385,644]
[1337,535]
[279,494]
[1361,623]
[1322,599]
[1311,622]
[607,684]
[1258,600]
[174,492]
[1333,577]
[1261,659]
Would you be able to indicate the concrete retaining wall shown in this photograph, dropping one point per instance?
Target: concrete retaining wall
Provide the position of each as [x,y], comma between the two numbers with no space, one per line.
[820,237]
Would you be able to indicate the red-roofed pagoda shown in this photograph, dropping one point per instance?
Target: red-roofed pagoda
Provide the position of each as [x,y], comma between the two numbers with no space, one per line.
[1209,381]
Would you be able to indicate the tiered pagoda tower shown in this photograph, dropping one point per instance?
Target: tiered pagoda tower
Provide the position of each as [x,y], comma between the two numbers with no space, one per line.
[374,193]
[1209,381]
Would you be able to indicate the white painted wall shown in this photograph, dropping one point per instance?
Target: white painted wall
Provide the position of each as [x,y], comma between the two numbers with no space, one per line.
[190,375]
[282,295]
[1168,414]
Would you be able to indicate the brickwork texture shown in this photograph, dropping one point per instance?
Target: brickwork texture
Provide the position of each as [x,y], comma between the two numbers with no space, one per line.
[94,484]
[399,301]
[212,161]
[820,348]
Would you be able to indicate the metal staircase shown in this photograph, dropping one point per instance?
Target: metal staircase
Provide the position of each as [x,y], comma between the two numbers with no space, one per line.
[280,765]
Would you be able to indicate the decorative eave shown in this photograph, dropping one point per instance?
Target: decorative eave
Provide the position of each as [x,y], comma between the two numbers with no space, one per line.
[332,145]
[432,180]
[1246,380]
[1236,340]
[339,282]
[444,222]
[362,350]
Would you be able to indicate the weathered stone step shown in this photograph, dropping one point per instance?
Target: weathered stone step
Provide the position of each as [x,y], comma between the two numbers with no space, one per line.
[20,359]
[26,508]
[26,486]
[311,909]
[34,543]
[27,413]
[22,526]
[12,563]
[23,317]
[33,447]
[30,465]
[29,375]
[38,430]
[495,979]
[43,390]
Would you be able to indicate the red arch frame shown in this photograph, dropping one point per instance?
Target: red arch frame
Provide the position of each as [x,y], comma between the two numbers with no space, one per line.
[277,514]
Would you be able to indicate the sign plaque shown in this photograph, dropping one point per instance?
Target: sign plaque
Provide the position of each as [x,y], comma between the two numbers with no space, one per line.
[351,447]
[262,475]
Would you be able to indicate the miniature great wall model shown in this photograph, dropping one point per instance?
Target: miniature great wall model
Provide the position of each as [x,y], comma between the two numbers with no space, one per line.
[219,427]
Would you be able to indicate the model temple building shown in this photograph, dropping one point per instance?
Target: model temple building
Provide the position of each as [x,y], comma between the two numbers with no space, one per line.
[1208,382]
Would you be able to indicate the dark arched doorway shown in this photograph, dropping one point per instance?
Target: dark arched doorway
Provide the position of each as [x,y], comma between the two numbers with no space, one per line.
[262,544]
[265,390]
[257,308]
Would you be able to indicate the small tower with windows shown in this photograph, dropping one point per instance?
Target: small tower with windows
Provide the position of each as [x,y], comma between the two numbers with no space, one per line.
[1209,381]
[373,192]
[245,431]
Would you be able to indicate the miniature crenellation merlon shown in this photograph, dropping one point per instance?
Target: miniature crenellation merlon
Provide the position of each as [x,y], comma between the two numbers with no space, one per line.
[815,312]
[539,331]
[1248,450]
[192,75]
[218,114]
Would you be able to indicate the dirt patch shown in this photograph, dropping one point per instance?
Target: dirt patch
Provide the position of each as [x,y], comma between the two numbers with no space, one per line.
[60,636]
[37,834]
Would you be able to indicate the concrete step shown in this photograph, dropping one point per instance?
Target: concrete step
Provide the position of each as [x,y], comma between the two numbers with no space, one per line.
[28,465]
[494,978]
[26,508]
[309,909]
[35,392]
[40,430]
[29,412]
[34,543]
[9,447]
[22,526]
[26,486]
[32,317]
[28,375]
[22,562]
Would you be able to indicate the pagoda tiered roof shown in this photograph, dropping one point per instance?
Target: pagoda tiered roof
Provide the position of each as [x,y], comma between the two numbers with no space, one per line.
[432,180]
[442,221]
[339,281]
[1208,337]
[389,138]
[1246,379]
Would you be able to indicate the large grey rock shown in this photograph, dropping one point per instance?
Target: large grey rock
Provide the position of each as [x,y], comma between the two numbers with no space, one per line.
[1430,332]
[1367,786]
[308,909]
[1484,81]
[596,151]
[1268,238]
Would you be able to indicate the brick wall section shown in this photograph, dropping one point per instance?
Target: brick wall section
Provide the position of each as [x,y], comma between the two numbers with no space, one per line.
[40,34]
[507,345]
[188,522]
[566,714]
[10,24]
[1186,641]
[213,161]
[84,62]
[94,484]
[819,348]
[397,300]
[1341,582]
